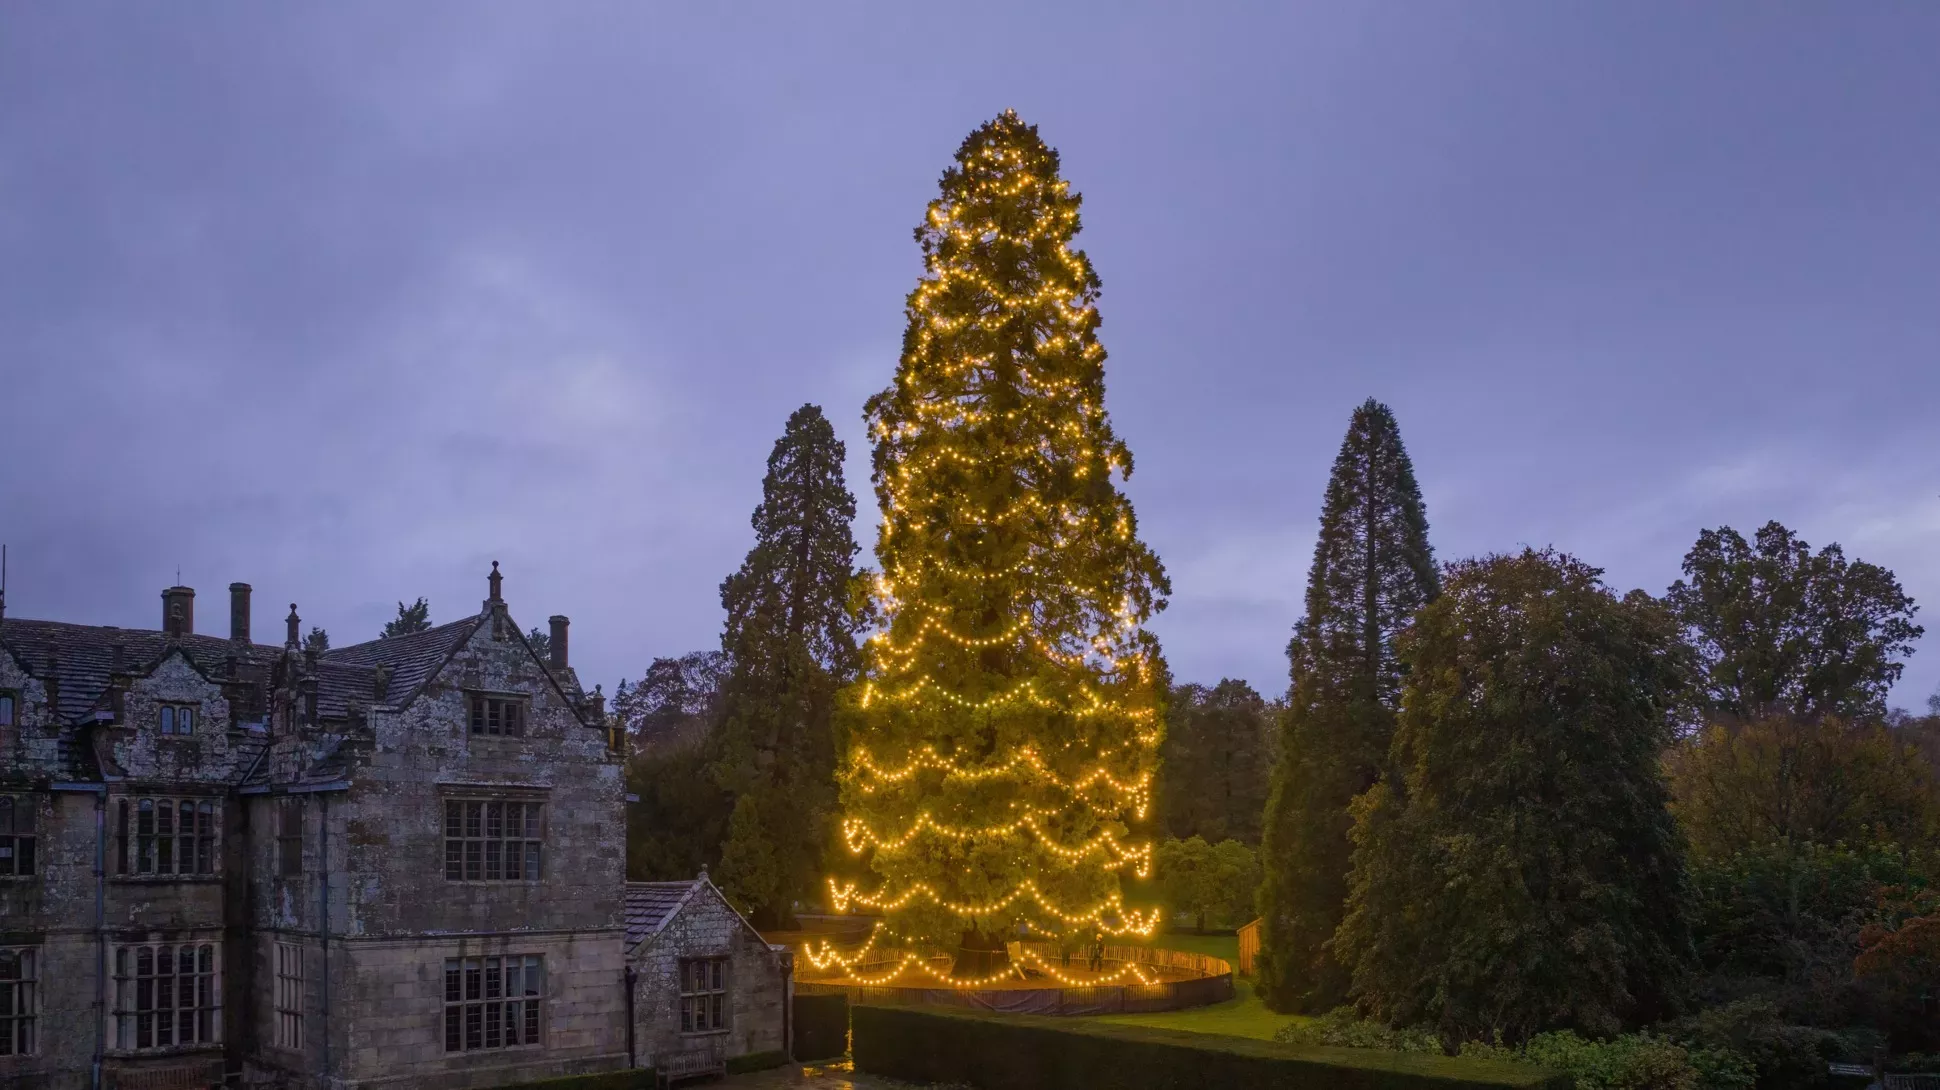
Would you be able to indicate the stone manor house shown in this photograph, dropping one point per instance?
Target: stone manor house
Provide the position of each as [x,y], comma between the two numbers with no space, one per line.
[395,864]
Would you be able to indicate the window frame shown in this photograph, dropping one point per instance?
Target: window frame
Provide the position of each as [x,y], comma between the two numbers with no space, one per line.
[286,965]
[497,715]
[475,1017]
[176,718]
[473,852]
[20,1003]
[706,994]
[19,836]
[289,836]
[155,995]
[9,707]
[152,829]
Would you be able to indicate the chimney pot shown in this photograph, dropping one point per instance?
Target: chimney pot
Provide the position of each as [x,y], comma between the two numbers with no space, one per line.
[291,622]
[182,598]
[239,612]
[557,643]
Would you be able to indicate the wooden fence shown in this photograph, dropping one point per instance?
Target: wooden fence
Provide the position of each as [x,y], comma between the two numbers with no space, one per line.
[1249,945]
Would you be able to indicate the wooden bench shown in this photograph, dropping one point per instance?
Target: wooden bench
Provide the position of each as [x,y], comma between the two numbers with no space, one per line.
[691,1063]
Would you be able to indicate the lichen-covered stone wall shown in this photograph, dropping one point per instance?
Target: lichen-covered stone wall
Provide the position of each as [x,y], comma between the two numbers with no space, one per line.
[707,926]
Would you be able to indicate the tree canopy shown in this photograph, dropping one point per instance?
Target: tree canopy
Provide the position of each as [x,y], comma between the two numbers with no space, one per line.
[415,617]
[1214,764]
[1781,630]
[1517,868]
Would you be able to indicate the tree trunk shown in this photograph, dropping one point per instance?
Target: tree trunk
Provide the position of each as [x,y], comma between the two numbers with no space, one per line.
[980,956]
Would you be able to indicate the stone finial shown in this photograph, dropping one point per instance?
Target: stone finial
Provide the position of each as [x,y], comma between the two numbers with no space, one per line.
[290,638]
[495,579]
[382,686]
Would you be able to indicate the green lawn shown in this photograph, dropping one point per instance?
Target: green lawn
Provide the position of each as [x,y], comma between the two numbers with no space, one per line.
[1243,1016]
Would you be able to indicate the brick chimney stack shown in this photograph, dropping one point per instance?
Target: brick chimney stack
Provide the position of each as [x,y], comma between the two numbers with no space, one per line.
[178,601]
[557,643]
[239,612]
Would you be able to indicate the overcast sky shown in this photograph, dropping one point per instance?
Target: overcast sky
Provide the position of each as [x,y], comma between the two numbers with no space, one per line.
[348,300]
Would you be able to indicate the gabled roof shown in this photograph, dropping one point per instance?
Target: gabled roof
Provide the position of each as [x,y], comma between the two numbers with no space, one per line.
[649,905]
[81,656]
[413,660]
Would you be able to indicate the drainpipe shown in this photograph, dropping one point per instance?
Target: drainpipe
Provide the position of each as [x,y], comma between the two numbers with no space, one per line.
[788,1004]
[323,917]
[101,1010]
[100,930]
[631,1061]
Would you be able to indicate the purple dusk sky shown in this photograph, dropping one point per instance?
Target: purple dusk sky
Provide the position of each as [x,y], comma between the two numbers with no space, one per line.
[348,300]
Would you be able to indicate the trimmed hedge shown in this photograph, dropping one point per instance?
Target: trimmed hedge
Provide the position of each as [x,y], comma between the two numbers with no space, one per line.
[1025,1052]
[637,1078]
[821,1026]
[756,1061]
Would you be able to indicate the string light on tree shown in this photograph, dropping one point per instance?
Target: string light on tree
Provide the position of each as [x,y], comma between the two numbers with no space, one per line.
[1004,732]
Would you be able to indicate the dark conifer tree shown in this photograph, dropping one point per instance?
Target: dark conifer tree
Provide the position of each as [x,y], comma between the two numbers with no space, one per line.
[789,644]
[1517,869]
[1372,571]
[415,617]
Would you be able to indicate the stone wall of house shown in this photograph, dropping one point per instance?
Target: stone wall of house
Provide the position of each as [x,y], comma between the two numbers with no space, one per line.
[706,927]
[395,917]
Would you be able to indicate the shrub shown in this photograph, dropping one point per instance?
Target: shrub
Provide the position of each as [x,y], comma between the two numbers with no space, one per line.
[756,1061]
[1342,1028]
[1786,1057]
[638,1078]
[1633,1061]
[997,1052]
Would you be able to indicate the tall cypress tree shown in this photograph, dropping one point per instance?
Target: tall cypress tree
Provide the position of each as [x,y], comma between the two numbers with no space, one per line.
[1007,723]
[1372,571]
[790,644]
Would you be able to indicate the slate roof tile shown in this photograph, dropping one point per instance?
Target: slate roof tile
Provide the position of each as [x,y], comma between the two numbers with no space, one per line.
[650,904]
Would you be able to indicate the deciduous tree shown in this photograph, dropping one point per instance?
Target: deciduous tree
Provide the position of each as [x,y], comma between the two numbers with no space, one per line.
[1517,868]
[1781,630]
[1213,768]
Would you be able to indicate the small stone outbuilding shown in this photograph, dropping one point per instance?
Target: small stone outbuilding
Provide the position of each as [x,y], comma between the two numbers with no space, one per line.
[703,981]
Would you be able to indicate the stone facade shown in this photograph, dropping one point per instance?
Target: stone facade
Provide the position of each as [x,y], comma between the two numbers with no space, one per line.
[676,933]
[399,863]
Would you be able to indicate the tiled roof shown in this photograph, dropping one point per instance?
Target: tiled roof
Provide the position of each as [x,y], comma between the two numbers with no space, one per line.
[650,904]
[82,656]
[340,684]
[413,659]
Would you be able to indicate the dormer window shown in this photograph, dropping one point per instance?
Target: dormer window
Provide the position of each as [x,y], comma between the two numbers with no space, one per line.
[8,702]
[498,715]
[178,719]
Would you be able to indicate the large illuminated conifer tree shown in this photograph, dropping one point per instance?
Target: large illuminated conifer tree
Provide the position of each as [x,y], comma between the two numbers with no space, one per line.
[1003,736]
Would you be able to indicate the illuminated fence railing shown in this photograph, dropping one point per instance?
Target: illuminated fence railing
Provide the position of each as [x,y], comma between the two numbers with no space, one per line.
[1178,979]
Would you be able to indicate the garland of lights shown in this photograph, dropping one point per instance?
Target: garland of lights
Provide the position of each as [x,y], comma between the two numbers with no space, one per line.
[1097,665]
